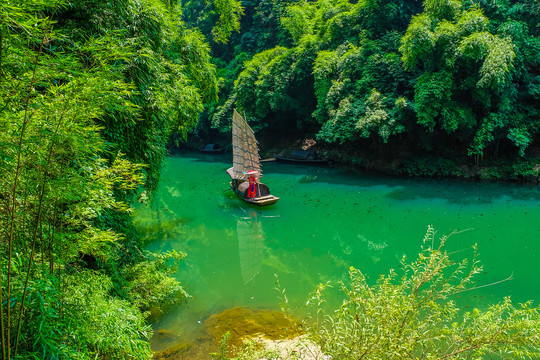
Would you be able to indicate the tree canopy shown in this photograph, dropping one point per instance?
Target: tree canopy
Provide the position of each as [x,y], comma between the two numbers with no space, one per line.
[448,77]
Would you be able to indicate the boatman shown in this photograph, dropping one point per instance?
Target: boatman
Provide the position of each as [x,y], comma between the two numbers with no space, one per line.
[252,182]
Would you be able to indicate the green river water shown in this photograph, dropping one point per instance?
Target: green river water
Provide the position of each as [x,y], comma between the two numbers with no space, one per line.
[327,220]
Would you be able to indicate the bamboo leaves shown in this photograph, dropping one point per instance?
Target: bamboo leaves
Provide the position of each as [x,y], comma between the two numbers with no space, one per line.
[229,19]
[462,60]
[57,188]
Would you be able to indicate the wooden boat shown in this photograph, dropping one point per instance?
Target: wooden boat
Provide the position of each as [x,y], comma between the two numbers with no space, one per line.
[303,156]
[246,159]
[212,149]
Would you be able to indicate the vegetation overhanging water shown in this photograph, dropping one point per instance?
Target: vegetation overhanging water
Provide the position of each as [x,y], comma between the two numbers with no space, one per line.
[327,220]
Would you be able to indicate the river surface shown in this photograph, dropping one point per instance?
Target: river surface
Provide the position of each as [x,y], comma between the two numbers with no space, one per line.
[327,220]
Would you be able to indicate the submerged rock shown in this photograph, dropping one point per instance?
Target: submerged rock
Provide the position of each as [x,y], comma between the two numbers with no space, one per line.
[177,351]
[164,340]
[241,323]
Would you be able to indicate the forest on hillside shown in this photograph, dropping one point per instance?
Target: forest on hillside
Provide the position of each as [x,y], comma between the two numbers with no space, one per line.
[93,91]
[420,87]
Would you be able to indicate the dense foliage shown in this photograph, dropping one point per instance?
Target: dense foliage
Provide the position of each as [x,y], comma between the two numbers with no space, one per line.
[89,94]
[453,78]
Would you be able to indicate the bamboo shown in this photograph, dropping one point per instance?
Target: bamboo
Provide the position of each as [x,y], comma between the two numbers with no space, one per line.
[1,50]
[37,226]
[7,343]
[52,227]
[30,262]
[2,318]
[42,246]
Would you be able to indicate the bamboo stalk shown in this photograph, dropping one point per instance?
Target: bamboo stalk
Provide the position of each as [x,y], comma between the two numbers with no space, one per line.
[42,245]
[52,227]
[30,262]
[2,319]
[2,327]
[14,197]
[37,226]
[1,50]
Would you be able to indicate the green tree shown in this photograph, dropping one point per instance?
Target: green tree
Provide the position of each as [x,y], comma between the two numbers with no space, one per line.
[341,54]
[519,22]
[229,19]
[467,71]
[450,78]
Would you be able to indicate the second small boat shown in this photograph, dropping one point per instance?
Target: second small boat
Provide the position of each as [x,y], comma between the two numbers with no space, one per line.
[303,157]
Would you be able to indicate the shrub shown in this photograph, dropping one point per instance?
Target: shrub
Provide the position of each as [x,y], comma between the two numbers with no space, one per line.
[412,315]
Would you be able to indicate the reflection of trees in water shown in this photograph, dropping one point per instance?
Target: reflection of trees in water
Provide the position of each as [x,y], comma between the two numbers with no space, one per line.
[250,245]
[158,222]
[463,192]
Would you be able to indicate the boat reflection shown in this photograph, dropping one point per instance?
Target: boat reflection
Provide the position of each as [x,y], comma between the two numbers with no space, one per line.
[251,247]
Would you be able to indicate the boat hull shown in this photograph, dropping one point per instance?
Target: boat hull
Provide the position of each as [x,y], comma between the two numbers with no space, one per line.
[258,200]
[212,149]
[262,193]
[303,161]
[204,151]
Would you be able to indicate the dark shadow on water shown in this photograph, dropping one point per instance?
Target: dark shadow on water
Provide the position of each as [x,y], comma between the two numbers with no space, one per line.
[405,189]
[197,156]
[402,188]
[461,192]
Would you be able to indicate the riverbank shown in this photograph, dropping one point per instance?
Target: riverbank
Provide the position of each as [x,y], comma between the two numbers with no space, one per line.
[228,331]
[403,163]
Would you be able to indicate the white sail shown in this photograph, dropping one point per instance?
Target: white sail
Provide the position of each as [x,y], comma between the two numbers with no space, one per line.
[245,148]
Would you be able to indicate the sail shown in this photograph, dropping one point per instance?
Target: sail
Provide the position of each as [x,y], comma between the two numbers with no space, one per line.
[245,149]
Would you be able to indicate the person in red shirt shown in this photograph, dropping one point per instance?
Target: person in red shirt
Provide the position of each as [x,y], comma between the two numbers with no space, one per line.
[251,189]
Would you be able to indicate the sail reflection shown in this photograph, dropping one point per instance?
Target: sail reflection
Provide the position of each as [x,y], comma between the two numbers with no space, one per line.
[250,245]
